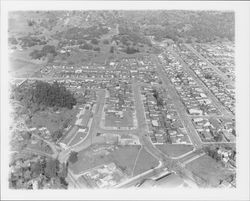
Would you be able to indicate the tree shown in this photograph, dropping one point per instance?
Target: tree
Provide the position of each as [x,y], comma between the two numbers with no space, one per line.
[208,76]
[36,168]
[131,50]
[57,135]
[97,49]
[94,41]
[51,168]
[234,132]
[86,46]
[106,41]
[218,137]
[73,157]
[160,102]
[66,123]
[111,49]
[27,175]
[26,136]
[30,22]
[13,41]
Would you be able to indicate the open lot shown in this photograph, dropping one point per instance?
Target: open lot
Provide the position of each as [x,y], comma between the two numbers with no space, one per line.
[144,162]
[52,120]
[207,168]
[174,150]
[123,156]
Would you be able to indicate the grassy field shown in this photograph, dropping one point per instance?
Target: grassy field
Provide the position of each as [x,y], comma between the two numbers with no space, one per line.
[174,150]
[208,169]
[52,120]
[145,162]
[123,156]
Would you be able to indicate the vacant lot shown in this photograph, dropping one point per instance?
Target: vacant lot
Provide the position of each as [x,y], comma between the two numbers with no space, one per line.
[52,120]
[145,162]
[123,156]
[208,169]
[174,150]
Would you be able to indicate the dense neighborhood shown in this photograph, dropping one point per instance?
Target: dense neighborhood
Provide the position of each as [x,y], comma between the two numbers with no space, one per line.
[116,104]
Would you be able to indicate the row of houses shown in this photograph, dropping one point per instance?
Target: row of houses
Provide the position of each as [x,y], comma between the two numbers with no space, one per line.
[163,123]
[214,129]
[224,92]
[191,94]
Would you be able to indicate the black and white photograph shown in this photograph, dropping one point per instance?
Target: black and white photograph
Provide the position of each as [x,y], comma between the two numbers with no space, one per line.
[125,97]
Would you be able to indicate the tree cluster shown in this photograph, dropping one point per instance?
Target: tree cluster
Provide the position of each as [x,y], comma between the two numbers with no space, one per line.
[131,50]
[202,26]
[44,171]
[73,157]
[86,46]
[42,94]
[159,99]
[94,41]
[46,50]
[29,41]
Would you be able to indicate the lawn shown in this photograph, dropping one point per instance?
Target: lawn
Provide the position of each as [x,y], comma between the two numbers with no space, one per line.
[174,150]
[208,169]
[123,156]
[145,162]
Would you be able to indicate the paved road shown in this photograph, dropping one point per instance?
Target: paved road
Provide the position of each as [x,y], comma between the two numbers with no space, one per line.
[142,133]
[142,125]
[186,119]
[146,175]
[215,101]
[93,129]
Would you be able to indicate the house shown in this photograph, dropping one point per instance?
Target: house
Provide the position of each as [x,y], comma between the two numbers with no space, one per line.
[193,111]
[155,123]
[196,120]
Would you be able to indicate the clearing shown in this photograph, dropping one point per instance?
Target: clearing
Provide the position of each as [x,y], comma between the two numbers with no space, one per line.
[52,120]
